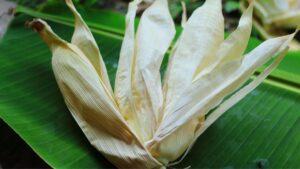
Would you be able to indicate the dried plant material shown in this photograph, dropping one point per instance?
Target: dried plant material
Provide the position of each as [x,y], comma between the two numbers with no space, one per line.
[230,49]
[123,77]
[154,36]
[91,104]
[184,14]
[275,17]
[145,123]
[280,13]
[84,40]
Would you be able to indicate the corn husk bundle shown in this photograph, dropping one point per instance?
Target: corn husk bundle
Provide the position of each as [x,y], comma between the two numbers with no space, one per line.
[281,13]
[144,122]
[276,17]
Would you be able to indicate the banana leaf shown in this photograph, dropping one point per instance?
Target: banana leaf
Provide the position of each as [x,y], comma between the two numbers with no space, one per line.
[260,131]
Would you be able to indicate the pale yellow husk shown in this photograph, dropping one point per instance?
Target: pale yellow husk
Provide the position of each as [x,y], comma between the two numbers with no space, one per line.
[280,13]
[276,17]
[146,123]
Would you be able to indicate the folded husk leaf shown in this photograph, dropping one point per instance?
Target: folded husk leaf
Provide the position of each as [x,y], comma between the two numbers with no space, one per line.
[142,124]
[154,36]
[84,40]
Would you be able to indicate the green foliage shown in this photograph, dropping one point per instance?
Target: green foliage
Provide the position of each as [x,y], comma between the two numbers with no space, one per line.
[231,6]
[176,7]
[37,3]
[30,3]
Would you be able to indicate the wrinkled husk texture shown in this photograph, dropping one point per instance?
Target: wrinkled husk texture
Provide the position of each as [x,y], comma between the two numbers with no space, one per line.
[146,122]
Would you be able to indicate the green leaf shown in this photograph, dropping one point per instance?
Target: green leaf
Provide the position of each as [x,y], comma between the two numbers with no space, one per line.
[260,130]
[231,6]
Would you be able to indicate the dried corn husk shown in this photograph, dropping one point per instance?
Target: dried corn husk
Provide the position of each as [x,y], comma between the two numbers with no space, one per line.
[276,17]
[280,13]
[142,124]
